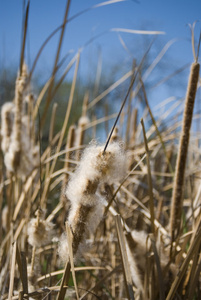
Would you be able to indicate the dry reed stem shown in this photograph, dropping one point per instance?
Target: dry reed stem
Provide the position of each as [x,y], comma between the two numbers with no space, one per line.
[63,130]
[69,66]
[22,265]
[151,198]
[195,280]
[69,144]
[177,196]
[24,192]
[12,271]
[191,279]
[64,282]
[154,123]
[51,133]
[110,89]
[52,123]
[49,96]
[184,265]
[124,257]
[159,270]
[129,111]
[83,121]
[70,243]
[152,66]
[134,127]
[59,272]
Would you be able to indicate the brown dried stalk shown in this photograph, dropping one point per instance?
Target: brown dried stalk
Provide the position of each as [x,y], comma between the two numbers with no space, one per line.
[177,198]
[69,144]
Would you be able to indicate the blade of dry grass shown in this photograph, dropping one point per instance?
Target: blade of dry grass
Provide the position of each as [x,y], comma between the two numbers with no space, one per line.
[49,95]
[12,271]
[107,3]
[64,282]
[184,265]
[63,130]
[154,123]
[133,31]
[22,266]
[151,198]
[27,186]
[90,268]
[124,258]
[134,75]
[159,270]
[70,242]
[129,111]
[51,133]
[195,280]
[110,89]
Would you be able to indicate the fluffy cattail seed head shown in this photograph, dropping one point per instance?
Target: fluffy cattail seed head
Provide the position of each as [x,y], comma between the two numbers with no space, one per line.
[7,116]
[96,167]
[40,232]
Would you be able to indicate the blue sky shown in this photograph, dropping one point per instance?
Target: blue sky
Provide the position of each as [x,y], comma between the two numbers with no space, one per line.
[169,16]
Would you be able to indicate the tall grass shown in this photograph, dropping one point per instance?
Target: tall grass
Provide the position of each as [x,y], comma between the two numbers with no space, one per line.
[102,221]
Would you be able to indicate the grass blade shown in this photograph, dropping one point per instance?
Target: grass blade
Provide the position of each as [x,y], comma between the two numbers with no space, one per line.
[124,257]
[151,197]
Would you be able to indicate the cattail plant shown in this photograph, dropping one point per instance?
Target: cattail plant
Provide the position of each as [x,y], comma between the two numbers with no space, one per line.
[82,123]
[87,206]
[177,197]
[21,154]
[40,233]
[12,158]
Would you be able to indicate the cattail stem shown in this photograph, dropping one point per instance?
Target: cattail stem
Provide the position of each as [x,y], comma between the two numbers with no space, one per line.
[151,197]
[49,96]
[177,198]
[64,282]
[69,144]
[134,126]
[38,214]
[33,257]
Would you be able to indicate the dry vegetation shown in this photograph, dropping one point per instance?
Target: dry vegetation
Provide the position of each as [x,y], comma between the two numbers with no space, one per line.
[115,221]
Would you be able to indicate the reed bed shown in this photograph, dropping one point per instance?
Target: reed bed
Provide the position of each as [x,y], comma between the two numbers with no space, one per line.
[85,220]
